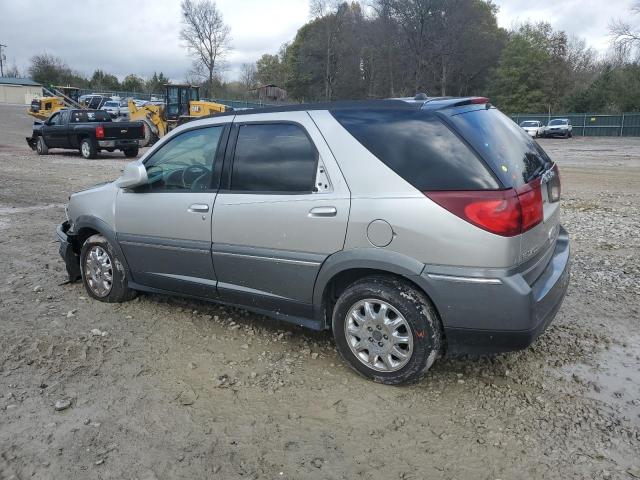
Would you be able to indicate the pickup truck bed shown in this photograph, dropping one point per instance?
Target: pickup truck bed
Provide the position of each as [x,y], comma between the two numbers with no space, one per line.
[88,131]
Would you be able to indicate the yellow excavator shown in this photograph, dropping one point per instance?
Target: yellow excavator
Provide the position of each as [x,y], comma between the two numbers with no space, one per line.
[56,99]
[181,104]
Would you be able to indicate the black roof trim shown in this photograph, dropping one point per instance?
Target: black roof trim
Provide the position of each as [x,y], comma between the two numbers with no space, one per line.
[340,105]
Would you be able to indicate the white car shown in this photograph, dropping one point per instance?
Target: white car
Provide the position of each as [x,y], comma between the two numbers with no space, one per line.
[112,107]
[533,128]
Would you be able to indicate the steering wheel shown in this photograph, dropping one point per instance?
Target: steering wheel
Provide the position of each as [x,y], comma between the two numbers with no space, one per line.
[191,174]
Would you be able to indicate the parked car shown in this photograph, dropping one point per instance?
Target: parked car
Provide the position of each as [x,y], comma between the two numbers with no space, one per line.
[113,108]
[93,101]
[559,127]
[408,229]
[86,130]
[533,128]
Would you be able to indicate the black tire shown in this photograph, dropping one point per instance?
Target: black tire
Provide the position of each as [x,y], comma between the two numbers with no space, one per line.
[119,290]
[131,152]
[418,312]
[570,134]
[41,147]
[88,148]
[149,137]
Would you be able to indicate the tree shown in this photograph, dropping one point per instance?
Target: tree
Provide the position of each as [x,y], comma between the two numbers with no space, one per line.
[156,83]
[270,69]
[207,37]
[248,76]
[626,36]
[12,71]
[133,83]
[50,70]
[101,81]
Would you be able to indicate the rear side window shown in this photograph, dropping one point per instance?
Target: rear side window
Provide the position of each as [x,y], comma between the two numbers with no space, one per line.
[90,116]
[273,158]
[512,154]
[418,147]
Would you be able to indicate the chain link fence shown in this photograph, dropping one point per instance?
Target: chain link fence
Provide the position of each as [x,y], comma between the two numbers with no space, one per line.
[592,124]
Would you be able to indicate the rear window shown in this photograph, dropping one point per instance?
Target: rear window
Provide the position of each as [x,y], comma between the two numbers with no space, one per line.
[418,147]
[90,116]
[512,154]
[558,122]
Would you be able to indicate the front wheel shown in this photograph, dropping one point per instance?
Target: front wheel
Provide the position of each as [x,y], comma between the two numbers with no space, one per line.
[41,147]
[103,275]
[88,148]
[387,330]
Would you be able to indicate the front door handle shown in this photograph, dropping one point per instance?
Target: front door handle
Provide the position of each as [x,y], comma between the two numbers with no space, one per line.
[323,212]
[199,208]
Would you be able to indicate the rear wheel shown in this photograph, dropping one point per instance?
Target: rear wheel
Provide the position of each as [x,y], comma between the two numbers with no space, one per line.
[387,330]
[131,152]
[88,148]
[103,275]
[41,147]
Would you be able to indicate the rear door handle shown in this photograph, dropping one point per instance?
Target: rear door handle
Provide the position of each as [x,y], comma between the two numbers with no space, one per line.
[199,208]
[323,212]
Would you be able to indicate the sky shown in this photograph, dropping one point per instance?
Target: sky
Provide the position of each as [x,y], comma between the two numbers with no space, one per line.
[142,36]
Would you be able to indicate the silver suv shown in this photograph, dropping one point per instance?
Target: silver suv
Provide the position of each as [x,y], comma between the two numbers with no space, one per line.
[409,229]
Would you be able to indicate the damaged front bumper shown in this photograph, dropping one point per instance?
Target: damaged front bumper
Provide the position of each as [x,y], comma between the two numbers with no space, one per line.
[68,250]
[32,142]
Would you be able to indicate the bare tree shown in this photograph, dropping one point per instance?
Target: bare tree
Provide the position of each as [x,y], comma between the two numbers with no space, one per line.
[207,37]
[626,35]
[326,10]
[248,76]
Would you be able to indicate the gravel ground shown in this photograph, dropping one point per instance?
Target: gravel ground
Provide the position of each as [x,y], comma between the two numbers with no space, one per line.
[166,388]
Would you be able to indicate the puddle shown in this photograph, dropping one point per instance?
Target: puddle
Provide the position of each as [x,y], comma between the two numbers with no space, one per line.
[613,377]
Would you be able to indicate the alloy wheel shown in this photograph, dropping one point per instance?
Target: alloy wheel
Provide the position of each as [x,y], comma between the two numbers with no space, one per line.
[98,271]
[378,335]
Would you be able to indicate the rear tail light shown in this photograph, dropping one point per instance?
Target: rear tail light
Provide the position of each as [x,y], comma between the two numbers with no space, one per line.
[503,212]
[99,132]
[554,188]
[530,198]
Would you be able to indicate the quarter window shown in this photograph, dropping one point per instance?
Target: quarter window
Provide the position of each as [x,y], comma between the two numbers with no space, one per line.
[273,158]
[185,163]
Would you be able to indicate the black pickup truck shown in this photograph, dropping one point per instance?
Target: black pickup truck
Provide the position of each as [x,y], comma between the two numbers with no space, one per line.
[86,130]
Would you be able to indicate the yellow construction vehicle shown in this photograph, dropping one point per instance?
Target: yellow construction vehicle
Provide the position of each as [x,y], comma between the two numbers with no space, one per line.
[181,104]
[57,98]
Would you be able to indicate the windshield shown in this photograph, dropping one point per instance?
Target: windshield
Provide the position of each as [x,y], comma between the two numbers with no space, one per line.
[558,122]
[510,152]
[529,124]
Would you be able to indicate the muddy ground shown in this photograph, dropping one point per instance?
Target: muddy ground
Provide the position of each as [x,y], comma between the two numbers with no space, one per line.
[178,389]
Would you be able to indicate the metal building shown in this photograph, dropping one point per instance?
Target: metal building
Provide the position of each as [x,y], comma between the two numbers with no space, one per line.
[19,90]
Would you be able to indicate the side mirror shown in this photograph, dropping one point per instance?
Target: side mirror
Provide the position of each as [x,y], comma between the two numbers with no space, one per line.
[134,175]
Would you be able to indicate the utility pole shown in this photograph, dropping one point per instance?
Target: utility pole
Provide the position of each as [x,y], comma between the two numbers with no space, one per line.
[1,60]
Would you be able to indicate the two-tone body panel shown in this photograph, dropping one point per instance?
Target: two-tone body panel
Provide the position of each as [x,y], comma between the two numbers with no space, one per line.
[201,227]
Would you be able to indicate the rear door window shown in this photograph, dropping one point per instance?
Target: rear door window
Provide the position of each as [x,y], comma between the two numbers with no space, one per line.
[274,157]
[512,154]
[419,147]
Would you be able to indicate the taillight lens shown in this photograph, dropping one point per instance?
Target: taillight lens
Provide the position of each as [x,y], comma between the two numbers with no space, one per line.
[503,212]
[530,197]
[99,131]
[554,188]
